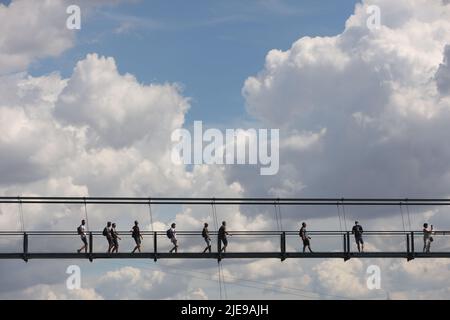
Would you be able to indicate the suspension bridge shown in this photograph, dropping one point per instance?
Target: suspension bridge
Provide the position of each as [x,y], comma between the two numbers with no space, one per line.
[282,245]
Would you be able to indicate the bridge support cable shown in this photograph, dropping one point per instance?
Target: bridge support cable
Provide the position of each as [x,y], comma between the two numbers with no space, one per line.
[219,249]
[344,214]
[280,217]
[150,213]
[409,216]
[86,214]
[403,218]
[339,216]
[20,213]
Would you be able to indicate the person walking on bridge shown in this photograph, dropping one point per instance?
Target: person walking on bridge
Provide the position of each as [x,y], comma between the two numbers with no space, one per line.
[172,235]
[357,230]
[222,236]
[81,230]
[107,234]
[427,238]
[115,238]
[136,234]
[205,235]
[305,238]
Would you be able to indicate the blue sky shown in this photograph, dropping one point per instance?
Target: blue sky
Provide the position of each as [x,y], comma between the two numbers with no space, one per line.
[209,47]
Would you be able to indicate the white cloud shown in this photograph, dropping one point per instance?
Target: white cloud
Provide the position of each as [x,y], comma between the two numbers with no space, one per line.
[32,30]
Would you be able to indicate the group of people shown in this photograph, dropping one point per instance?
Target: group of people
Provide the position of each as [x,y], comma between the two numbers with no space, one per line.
[357,230]
[222,236]
[113,236]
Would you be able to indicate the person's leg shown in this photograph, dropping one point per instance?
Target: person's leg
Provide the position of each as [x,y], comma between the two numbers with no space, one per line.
[309,246]
[362,244]
[109,244]
[85,245]
[424,245]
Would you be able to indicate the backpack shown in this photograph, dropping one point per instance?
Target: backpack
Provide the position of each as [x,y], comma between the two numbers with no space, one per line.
[169,233]
[105,232]
[79,231]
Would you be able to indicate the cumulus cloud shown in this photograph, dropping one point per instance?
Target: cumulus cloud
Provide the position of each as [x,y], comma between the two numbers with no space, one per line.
[374,92]
[32,30]
[361,113]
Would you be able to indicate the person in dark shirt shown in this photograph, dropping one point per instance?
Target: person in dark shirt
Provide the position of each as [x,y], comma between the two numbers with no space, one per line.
[205,235]
[107,234]
[136,234]
[223,236]
[115,238]
[305,238]
[357,230]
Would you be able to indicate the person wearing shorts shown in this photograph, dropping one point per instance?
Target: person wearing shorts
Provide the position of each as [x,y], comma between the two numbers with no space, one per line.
[173,238]
[136,234]
[357,230]
[82,233]
[305,238]
[223,236]
[205,235]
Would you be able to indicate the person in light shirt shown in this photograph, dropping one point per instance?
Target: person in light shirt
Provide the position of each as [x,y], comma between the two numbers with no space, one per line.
[82,233]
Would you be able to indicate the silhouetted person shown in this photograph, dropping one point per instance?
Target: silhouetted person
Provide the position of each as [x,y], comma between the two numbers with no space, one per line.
[82,232]
[107,234]
[357,230]
[136,234]
[205,235]
[223,236]
[115,238]
[172,235]
[427,238]
[305,238]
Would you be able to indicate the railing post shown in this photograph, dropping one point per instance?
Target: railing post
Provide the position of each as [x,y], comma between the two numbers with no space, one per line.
[283,246]
[155,246]
[91,245]
[345,243]
[412,245]
[219,249]
[408,252]
[25,247]
[347,253]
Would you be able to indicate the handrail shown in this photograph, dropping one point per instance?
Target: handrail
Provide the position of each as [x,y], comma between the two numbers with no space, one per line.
[226,201]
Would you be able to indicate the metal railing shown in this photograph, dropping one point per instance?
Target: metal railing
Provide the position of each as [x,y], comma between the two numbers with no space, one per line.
[269,244]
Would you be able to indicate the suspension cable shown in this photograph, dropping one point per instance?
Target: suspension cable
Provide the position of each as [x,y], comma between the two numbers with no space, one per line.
[280,216]
[339,216]
[219,269]
[86,214]
[276,216]
[409,218]
[403,219]
[343,212]
[21,219]
[150,213]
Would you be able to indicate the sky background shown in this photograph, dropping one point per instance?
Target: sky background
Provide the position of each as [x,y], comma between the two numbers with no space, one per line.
[361,112]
